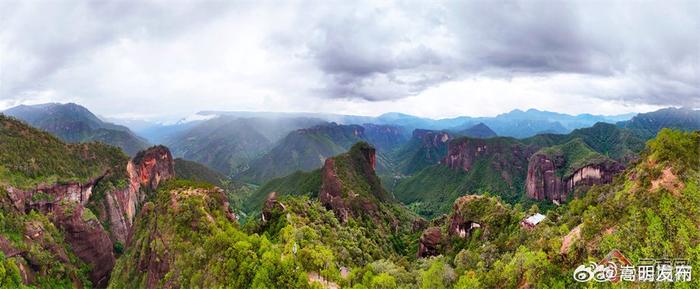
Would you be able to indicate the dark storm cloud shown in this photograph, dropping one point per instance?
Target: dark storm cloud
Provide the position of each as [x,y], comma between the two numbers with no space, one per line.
[45,36]
[653,43]
[637,51]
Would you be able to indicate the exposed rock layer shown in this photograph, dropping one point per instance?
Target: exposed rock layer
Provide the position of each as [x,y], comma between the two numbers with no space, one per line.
[543,183]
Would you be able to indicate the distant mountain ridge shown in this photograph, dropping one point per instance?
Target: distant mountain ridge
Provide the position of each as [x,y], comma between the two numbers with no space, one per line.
[516,123]
[502,166]
[74,123]
[648,124]
[306,149]
[228,143]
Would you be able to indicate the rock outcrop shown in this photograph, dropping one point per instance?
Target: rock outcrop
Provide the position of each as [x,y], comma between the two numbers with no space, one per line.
[66,204]
[502,157]
[463,153]
[45,197]
[544,183]
[472,212]
[430,243]
[88,240]
[349,185]
[432,141]
[271,206]
[384,137]
[145,171]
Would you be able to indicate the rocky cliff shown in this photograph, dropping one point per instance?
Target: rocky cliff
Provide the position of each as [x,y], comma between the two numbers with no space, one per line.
[144,172]
[349,185]
[432,139]
[430,243]
[384,137]
[503,156]
[66,204]
[168,230]
[544,183]
[425,148]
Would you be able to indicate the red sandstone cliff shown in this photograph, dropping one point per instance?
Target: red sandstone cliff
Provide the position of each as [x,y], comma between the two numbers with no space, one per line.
[543,183]
[66,203]
[145,171]
[344,175]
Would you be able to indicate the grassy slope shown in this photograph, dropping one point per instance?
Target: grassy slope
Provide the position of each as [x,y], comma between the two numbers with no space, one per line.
[297,183]
[237,192]
[576,155]
[29,157]
[432,190]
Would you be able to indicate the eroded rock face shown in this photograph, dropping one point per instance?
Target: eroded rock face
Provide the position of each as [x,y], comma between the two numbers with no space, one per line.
[360,161]
[472,212]
[65,204]
[543,183]
[145,172]
[384,137]
[507,158]
[271,205]
[433,143]
[462,154]
[88,240]
[331,194]
[432,138]
[430,242]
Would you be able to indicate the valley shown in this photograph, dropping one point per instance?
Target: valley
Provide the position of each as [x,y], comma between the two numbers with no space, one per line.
[258,204]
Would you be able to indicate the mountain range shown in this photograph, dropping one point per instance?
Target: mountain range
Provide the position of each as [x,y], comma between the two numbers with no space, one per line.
[74,123]
[84,214]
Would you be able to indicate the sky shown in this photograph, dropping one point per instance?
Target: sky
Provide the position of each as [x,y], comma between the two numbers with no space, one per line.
[158,59]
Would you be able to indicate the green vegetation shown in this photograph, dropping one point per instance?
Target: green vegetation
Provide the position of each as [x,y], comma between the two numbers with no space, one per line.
[501,172]
[29,157]
[575,154]
[297,184]
[236,192]
[304,149]
[418,154]
[73,123]
[37,239]
[355,172]
[184,236]
[186,227]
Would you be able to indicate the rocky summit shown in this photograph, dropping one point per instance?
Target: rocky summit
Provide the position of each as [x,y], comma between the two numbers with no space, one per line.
[376,209]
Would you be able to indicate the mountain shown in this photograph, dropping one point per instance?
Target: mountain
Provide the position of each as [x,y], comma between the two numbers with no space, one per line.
[424,148]
[479,130]
[554,173]
[648,124]
[306,149]
[303,149]
[523,124]
[507,166]
[74,123]
[67,208]
[385,138]
[228,143]
[497,165]
[516,123]
[85,215]
[193,217]
[235,191]
[648,211]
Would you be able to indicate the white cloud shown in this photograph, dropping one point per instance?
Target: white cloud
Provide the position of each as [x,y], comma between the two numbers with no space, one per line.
[432,59]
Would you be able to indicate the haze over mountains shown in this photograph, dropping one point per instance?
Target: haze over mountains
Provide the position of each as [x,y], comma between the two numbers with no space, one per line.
[258,146]
[87,214]
[74,123]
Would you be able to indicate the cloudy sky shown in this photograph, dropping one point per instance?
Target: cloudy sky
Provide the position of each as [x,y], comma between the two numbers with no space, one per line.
[157,59]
